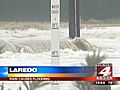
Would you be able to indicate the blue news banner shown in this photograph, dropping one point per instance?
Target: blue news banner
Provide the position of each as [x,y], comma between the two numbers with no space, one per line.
[59,73]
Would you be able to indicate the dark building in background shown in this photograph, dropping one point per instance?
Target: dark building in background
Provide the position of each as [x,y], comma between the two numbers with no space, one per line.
[39,10]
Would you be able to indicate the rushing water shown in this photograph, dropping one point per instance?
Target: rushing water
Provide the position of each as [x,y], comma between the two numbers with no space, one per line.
[32,47]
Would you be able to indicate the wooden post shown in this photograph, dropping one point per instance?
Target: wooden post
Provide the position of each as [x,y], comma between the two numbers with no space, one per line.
[74,21]
[72,32]
[77,19]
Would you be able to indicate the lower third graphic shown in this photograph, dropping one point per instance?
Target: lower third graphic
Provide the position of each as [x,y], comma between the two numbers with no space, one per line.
[104,74]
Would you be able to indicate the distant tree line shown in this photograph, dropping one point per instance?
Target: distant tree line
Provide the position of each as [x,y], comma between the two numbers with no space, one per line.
[39,10]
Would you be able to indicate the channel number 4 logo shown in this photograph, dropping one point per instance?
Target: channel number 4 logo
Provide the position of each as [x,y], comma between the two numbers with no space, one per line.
[104,71]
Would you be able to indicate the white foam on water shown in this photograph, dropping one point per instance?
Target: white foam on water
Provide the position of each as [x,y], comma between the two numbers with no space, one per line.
[108,39]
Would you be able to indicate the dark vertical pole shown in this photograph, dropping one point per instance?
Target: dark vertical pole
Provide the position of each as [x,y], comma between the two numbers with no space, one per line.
[74,21]
[72,30]
[77,19]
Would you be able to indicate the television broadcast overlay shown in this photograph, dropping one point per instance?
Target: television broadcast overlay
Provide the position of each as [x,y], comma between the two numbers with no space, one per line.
[60,73]
[104,74]
[59,44]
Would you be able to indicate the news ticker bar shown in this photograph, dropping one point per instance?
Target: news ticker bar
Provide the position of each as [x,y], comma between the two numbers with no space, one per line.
[57,73]
[90,79]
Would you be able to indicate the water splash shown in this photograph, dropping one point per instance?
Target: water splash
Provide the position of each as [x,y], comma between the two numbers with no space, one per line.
[37,46]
